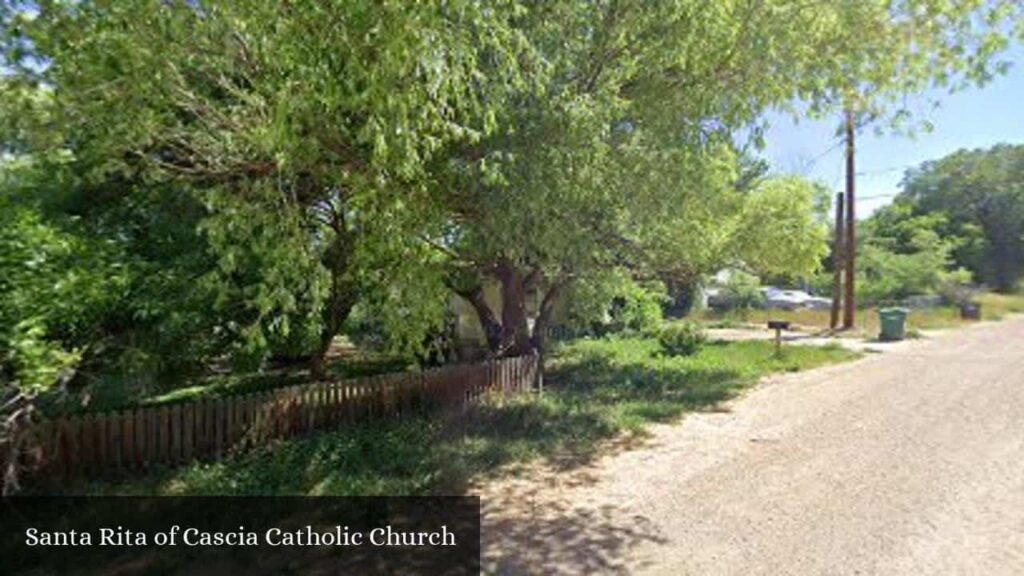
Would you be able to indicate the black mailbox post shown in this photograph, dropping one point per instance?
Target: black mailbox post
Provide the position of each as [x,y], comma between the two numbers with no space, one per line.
[778,326]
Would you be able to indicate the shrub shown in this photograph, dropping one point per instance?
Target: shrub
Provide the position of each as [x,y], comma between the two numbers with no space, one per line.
[956,287]
[638,308]
[742,291]
[614,303]
[681,339]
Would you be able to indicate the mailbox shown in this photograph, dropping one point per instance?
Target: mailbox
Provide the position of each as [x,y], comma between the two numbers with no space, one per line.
[778,326]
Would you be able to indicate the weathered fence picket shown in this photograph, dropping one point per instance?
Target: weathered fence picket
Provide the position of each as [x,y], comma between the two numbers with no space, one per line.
[140,439]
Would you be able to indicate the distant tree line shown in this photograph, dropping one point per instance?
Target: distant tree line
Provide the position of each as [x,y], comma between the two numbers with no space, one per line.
[976,198]
[958,222]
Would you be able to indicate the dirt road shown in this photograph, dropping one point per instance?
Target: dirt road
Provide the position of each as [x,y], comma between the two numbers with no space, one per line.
[907,462]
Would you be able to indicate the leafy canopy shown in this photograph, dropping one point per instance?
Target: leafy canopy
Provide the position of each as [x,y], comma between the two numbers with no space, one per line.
[232,178]
[978,197]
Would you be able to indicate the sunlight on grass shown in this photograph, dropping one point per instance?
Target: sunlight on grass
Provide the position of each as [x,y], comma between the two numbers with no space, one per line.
[993,307]
[595,390]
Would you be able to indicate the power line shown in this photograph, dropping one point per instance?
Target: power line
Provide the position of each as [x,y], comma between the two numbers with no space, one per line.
[877,196]
[885,170]
[838,142]
[807,165]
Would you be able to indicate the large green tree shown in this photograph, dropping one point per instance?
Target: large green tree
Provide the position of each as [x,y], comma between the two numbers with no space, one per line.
[321,154]
[979,194]
[302,129]
[904,253]
[626,153]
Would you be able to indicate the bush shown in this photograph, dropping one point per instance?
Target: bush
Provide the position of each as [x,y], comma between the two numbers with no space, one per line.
[905,255]
[742,291]
[681,339]
[637,309]
[956,287]
[615,303]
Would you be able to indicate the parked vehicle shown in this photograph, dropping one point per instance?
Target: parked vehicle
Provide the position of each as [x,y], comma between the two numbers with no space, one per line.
[777,298]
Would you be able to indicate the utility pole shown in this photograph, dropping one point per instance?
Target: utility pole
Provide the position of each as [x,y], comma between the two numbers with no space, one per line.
[838,263]
[850,251]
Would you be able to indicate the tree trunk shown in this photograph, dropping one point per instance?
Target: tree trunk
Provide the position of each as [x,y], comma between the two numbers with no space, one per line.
[540,330]
[514,321]
[511,336]
[340,301]
[488,321]
[19,445]
[335,314]
[540,325]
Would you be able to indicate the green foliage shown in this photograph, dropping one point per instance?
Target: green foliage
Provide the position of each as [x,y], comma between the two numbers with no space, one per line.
[780,229]
[32,361]
[227,180]
[978,197]
[638,308]
[254,195]
[55,287]
[121,283]
[903,254]
[887,277]
[875,58]
[681,339]
[404,301]
[614,302]
[741,291]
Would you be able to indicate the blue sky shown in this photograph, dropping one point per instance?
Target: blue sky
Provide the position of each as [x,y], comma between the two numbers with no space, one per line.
[974,118]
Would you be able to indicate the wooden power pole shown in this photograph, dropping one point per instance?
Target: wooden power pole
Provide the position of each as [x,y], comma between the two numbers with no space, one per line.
[838,263]
[850,248]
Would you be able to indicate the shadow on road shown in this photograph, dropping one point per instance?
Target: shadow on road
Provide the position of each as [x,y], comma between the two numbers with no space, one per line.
[575,540]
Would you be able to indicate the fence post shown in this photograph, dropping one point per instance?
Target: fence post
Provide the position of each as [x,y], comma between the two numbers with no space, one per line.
[74,445]
[187,432]
[88,440]
[176,433]
[114,440]
[150,454]
[540,373]
[139,446]
[163,426]
[59,451]
[332,403]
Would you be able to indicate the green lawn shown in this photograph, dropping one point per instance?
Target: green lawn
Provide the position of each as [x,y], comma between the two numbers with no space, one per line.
[596,390]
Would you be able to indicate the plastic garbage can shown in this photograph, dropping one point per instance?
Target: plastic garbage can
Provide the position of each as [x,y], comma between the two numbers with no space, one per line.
[894,323]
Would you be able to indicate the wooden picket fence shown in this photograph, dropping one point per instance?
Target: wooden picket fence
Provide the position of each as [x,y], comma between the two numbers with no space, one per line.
[141,439]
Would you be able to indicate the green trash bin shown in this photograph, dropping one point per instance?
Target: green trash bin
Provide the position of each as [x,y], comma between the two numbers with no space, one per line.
[894,323]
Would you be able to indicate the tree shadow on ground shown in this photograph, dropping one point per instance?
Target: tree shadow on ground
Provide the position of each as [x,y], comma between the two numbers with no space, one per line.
[665,387]
[562,538]
[586,404]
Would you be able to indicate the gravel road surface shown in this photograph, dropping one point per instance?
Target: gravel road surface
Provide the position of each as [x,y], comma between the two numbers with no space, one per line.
[906,462]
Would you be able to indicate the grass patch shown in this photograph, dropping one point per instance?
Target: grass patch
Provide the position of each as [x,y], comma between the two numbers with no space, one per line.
[998,306]
[993,307]
[596,390]
[730,321]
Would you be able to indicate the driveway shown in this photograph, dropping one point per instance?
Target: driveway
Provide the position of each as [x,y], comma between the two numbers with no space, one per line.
[905,462]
